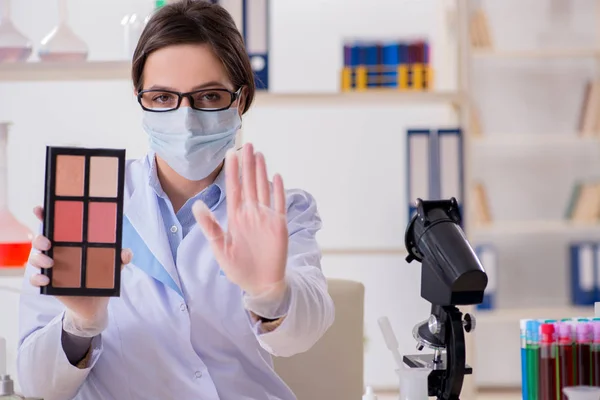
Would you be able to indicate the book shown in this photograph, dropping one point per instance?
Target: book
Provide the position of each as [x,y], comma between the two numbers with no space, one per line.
[586,208]
[481,206]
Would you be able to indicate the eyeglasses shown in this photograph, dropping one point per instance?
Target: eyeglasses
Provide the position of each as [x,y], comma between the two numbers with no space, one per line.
[203,100]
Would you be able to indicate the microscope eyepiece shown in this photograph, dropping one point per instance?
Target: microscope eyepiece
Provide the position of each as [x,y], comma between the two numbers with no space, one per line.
[451,273]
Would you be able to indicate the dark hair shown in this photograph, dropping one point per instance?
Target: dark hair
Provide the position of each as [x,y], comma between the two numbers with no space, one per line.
[197,22]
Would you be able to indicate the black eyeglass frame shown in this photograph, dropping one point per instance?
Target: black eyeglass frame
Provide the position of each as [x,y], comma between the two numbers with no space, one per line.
[180,95]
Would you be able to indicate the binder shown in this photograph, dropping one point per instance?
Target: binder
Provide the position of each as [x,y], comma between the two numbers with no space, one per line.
[451,164]
[435,184]
[403,66]
[584,273]
[435,166]
[390,59]
[428,70]
[488,258]
[252,19]
[417,66]
[256,37]
[418,167]
[372,62]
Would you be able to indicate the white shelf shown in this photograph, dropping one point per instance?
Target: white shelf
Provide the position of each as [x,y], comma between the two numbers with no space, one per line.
[537,54]
[517,140]
[121,70]
[93,70]
[357,251]
[373,96]
[514,315]
[526,227]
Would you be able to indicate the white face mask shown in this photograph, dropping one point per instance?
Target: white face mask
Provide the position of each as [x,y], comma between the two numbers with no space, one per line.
[192,142]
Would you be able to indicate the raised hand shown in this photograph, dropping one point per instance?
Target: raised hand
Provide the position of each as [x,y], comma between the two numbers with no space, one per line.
[253,251]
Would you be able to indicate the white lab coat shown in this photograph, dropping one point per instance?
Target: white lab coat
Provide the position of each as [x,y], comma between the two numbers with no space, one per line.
[178,331]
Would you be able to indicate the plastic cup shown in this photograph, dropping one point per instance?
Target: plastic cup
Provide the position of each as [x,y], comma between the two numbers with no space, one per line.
[413,383]
[582,393]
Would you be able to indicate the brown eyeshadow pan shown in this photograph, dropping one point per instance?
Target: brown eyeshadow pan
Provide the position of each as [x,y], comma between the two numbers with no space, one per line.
[100,268]
[66,272]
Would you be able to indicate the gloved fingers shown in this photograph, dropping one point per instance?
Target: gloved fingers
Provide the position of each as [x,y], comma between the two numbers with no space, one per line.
[278,195]
[40,260]
[39,280]
[85,327]
[41,243]
[262,181]
[232,182]
[126,257]
[39,212]
[209,225]
[249,174]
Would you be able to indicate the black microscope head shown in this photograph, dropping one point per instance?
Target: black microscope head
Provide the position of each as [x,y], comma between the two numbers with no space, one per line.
[451,274]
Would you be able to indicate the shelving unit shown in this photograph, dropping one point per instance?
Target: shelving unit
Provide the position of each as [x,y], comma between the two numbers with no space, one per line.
[526,140]
[499,328]
[515,315]
[534,227]
[121,70]
[537,54]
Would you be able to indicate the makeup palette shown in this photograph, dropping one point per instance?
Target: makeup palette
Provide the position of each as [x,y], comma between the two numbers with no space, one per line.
[83,220]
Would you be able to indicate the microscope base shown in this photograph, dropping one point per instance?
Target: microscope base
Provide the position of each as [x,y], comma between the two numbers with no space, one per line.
[426,361]
[438,370]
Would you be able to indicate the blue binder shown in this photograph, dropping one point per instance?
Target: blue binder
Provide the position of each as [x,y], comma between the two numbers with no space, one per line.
[488,256]
[254,25]
[390,60]
[584,273]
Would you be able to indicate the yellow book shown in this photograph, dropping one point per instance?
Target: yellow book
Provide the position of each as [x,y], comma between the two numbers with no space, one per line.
[403,76]
[417,77]
[428,75]
[361,78]
[346,79]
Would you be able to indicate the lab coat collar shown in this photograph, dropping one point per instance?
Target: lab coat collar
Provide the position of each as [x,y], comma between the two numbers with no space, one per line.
[154,183]
[141,210]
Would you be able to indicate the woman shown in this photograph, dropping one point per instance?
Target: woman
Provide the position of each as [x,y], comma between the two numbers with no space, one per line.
[203,306]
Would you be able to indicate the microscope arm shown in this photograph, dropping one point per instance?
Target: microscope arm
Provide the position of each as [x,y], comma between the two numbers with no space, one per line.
[455,354]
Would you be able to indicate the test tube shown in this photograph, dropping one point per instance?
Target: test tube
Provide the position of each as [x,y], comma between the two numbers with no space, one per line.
[596,353]
[547,364]
[583,352]
[533,351]
[524,380]
[566,370]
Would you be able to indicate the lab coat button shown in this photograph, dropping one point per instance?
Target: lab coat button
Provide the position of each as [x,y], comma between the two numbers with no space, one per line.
[182,307]
[174,229]
[198,374]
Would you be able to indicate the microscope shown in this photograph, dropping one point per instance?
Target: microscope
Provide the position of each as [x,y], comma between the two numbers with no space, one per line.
[451,276]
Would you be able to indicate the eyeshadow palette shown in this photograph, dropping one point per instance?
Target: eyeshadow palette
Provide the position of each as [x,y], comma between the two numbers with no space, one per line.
[83,219]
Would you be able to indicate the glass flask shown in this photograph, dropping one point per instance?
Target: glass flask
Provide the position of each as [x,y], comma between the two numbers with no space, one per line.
[582,393]
[15,238]
[62,44]
[134,23]
[14,46]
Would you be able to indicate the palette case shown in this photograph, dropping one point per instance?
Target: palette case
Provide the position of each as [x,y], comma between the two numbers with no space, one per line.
[83,219]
